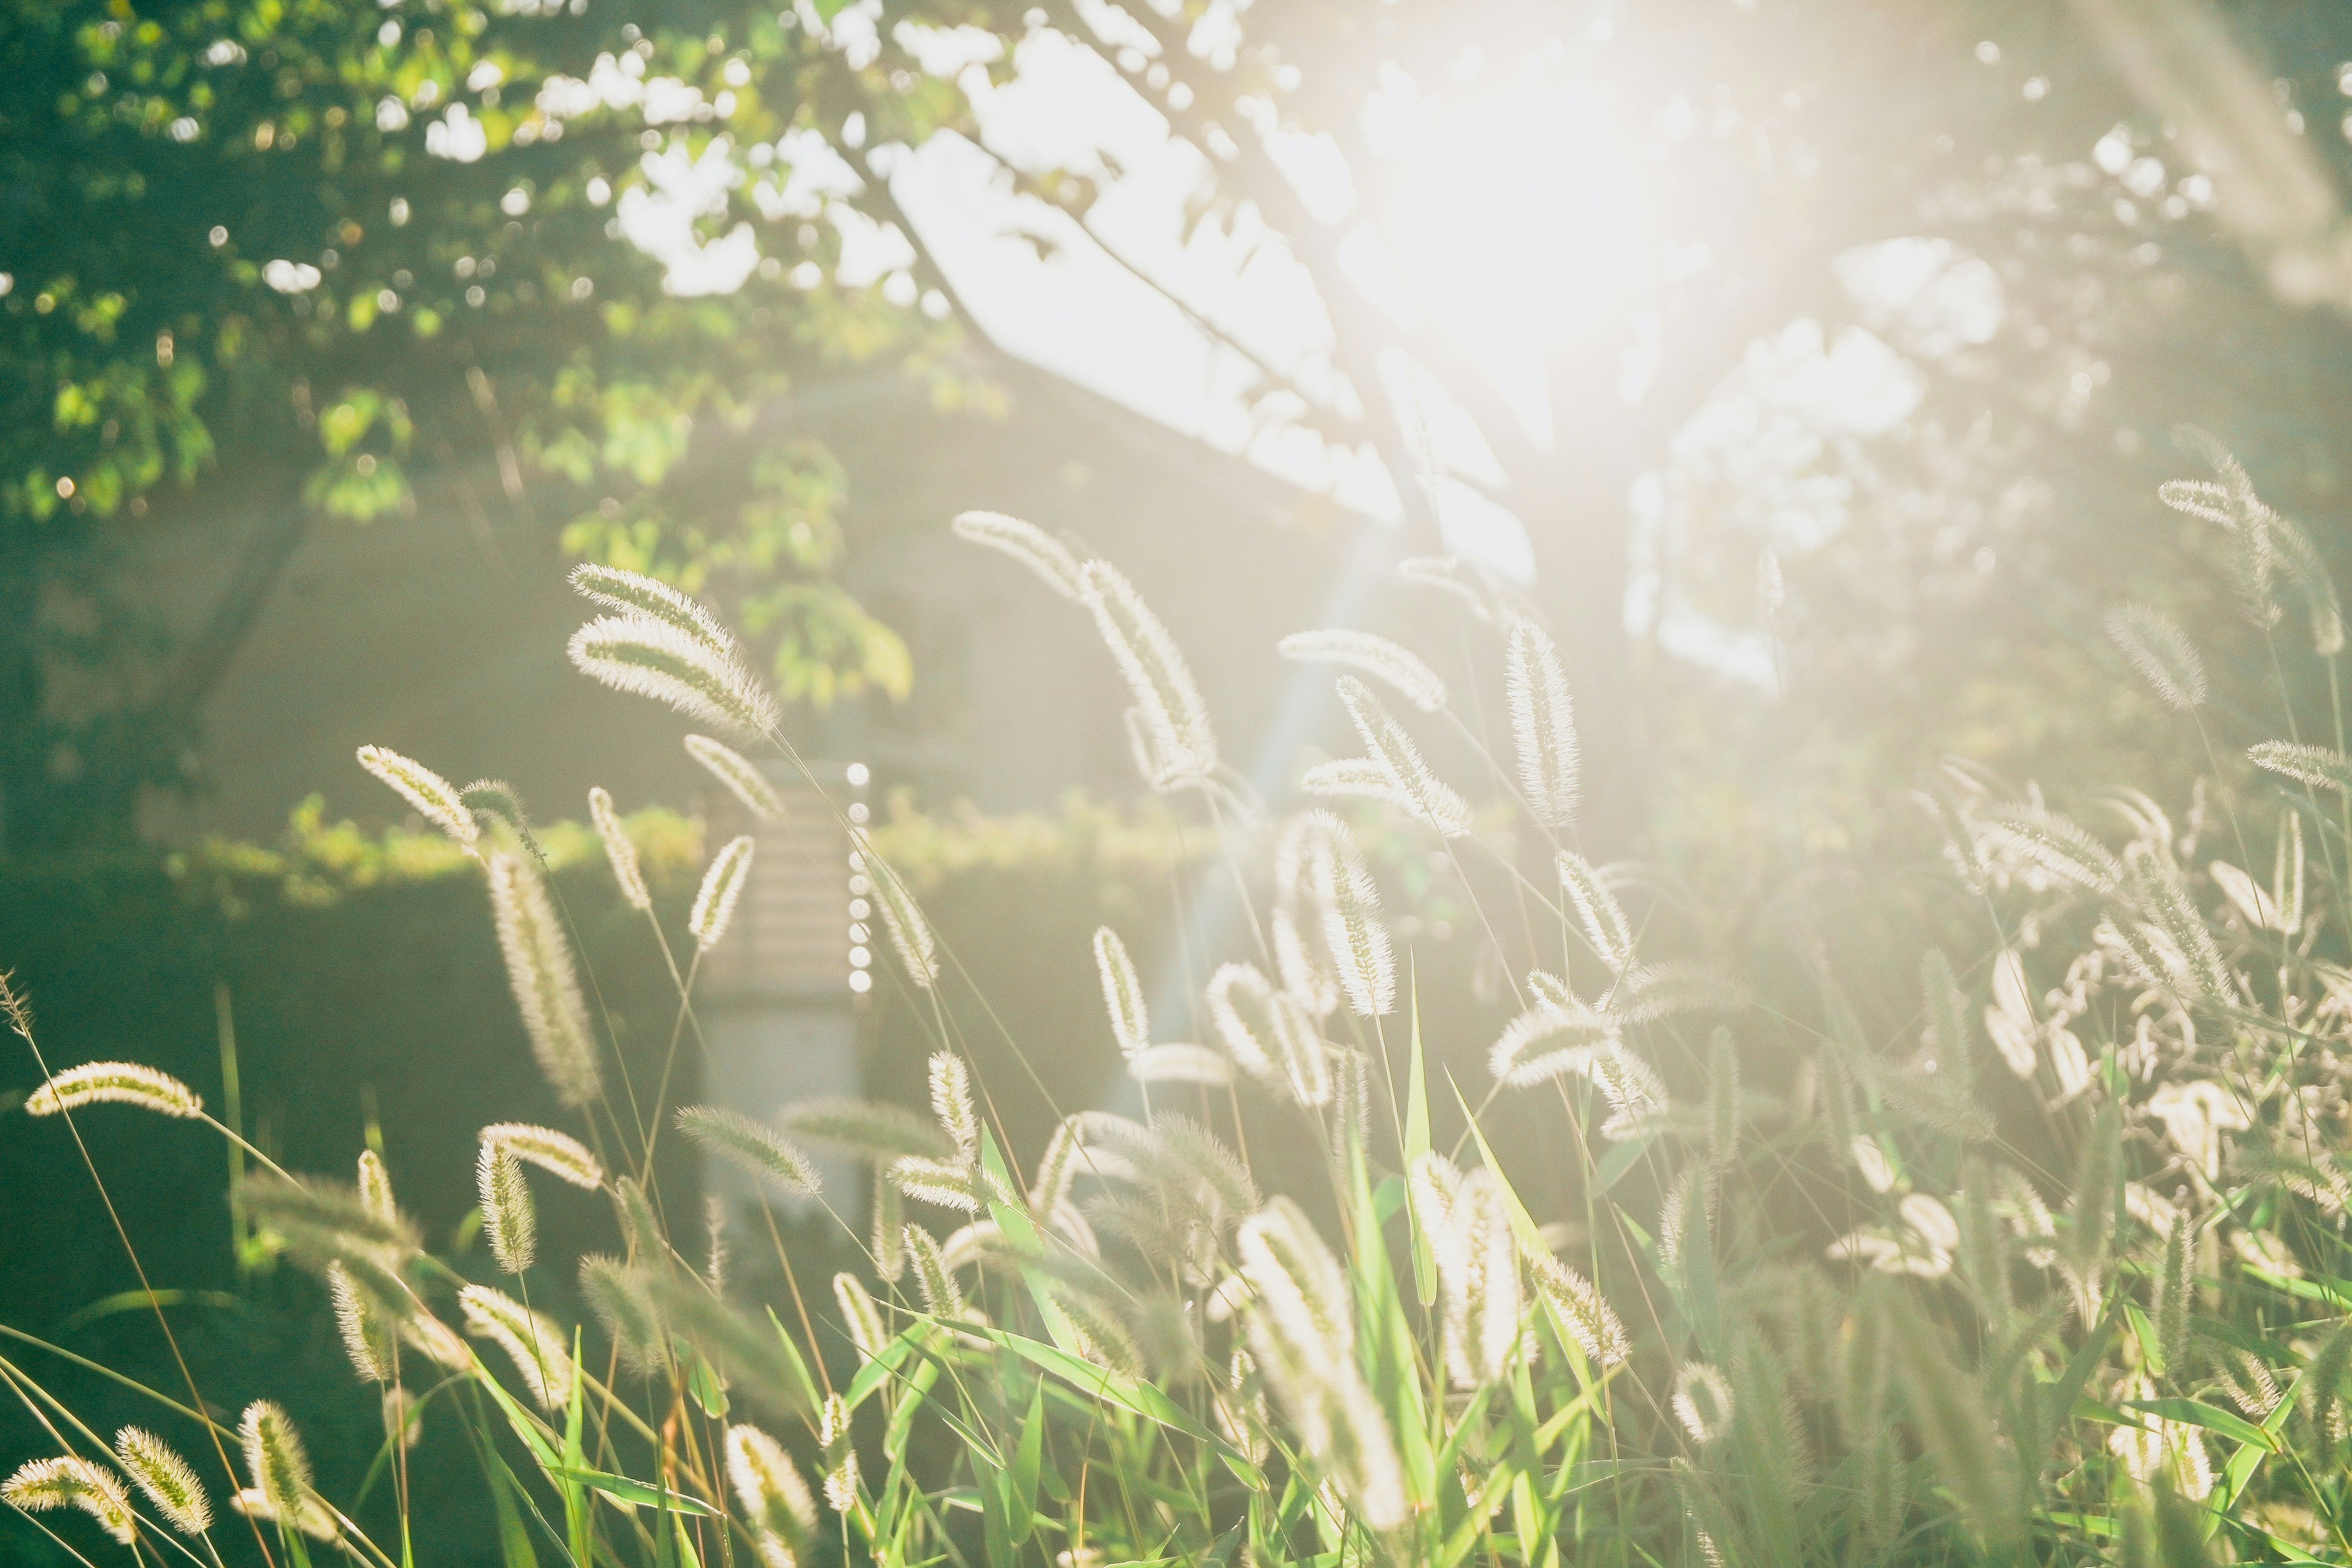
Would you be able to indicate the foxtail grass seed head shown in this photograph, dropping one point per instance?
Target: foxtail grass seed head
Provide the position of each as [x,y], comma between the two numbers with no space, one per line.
[951,1102]
[560,1155]
[1298,1285]
[1184,744]
[910,933]
[860,1315]
[1131,1021]
[647,658]
[1543,724]
[546,989]
[1270,1034]
[1452,574]
[368,1338]
[2162,652]
[2175,1282]
[510,1220]
[1178,1063]
[948,1184]
[722,887]
[44,1485]
[1353,778]
[1550,1040]
[114,1083]
[1723,1099]
[840,1454]
[2314,765]
[620,851]
[769,1486]
[1702,1402]
[871,1130]
[743,781]
[1590,1320]
[941,1296]
[1030,545]
[1348,904]
[374,1187]
[277,1462]
[494,802]
[534,1344]
[1377,657]
[166,1479]
[1410,778]
[634,594]
[435,798]
[2055,846]
[1596,910]
[616,1294]
[754,1146]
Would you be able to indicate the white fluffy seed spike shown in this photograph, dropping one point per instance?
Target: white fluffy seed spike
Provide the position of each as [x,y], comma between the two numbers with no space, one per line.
[767,1485]
[277,1462]
[1543,724]
[647,658]
[546,990]
[2314,765]
[1130,1022]
[560,1155]
[634,594]
[1581,1307]
[722,887]
[1342,891]
[166,1479]
[1270,1033]
[736,772]
[620,851]
[509,1221]
[114,1083]
[1027,544]
[366,1338]
[1408,776]
[434,797]
[1702,1402]
[752,1144]
[951,1102]
[532,1342]
[911,931]
[1173,713]
[1370,655]
[1605,926]
[2162,652]
[45,1484]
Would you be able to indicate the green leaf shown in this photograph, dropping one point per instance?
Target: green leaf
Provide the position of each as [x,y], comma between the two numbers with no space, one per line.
[2196,1413]
[1021,1496]
[635,1493]
[1416,1144]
